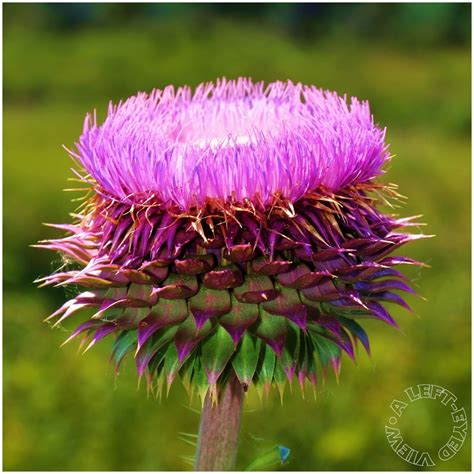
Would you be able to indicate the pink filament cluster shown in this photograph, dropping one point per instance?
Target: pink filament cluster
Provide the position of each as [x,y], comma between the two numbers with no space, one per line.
[231,140]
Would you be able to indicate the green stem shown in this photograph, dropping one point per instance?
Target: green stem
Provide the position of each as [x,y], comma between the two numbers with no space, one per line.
[219,429]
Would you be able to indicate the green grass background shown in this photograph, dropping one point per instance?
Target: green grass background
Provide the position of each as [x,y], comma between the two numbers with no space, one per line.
[63,411]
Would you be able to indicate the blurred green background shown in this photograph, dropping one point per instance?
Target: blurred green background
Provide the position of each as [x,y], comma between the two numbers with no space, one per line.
[63,411]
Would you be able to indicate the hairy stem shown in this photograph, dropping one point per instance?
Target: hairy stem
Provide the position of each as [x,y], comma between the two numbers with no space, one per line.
[219,429]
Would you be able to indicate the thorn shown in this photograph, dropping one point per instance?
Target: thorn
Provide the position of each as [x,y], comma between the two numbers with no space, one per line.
[138,349]
[89,346]
[192,409]
[70,338]
[81,344]
[187,441]
[191,435]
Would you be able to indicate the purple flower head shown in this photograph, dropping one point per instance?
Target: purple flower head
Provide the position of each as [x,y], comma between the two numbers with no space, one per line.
[232,139]
[235,229]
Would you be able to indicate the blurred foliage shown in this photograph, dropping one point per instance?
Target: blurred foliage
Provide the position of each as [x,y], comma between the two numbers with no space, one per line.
[412,61]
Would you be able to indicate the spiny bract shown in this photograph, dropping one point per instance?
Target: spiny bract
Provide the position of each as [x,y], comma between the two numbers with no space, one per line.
[232,229]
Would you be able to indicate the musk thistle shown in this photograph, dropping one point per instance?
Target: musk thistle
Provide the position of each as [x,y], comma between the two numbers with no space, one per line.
[232,233]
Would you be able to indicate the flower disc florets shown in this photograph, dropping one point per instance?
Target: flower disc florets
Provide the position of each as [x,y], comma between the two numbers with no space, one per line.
[233,229]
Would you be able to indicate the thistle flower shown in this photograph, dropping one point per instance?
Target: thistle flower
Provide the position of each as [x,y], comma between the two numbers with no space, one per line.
[235,229]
